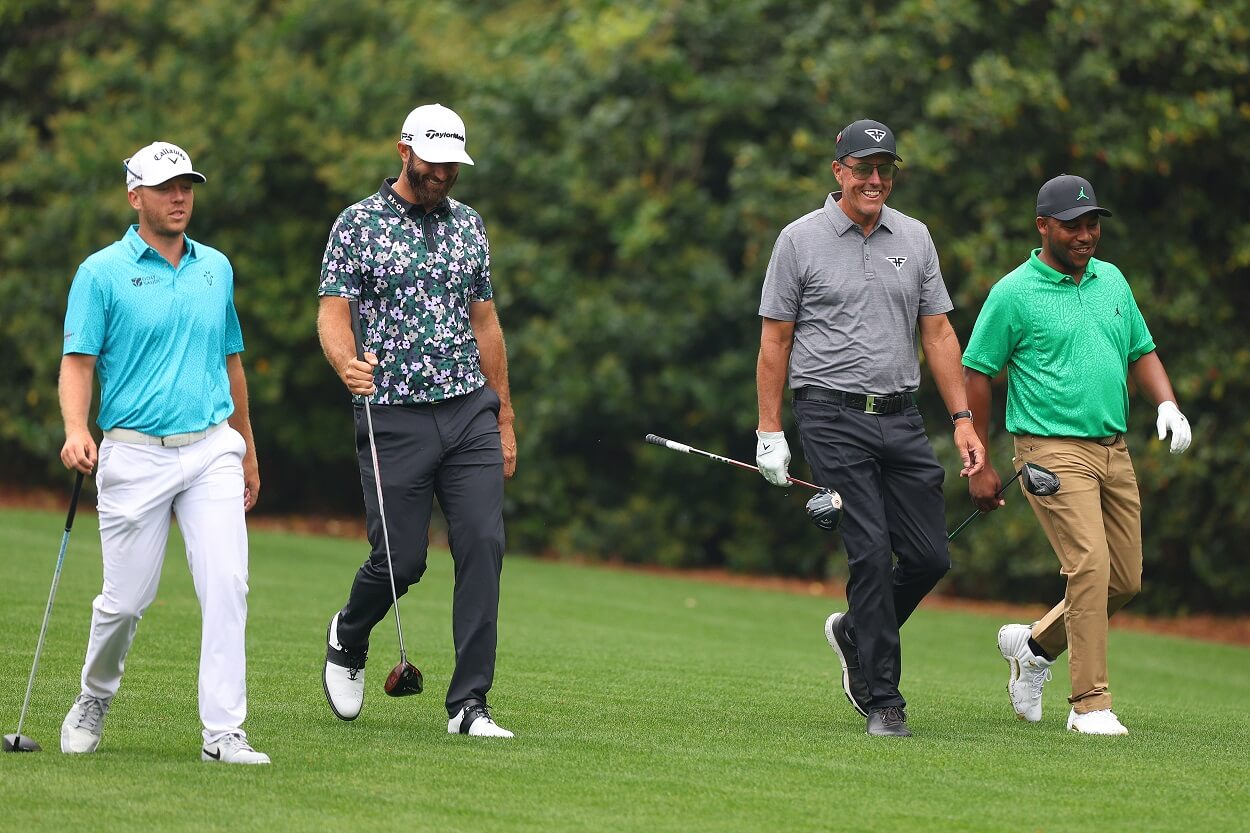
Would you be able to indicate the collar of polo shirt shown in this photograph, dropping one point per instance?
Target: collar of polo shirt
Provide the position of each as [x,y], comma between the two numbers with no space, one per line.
[401,206]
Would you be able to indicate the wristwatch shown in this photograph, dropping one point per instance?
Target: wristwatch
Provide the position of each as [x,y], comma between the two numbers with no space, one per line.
[958,415]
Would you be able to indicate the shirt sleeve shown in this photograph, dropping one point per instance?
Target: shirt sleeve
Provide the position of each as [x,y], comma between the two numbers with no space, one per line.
[233,334]
[934,298]
[85,314]
[783,286]
[340,268]
[1140,340]
[481,289]
[994,335]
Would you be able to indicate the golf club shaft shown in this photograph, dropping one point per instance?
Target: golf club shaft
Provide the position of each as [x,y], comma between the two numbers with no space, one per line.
[978,513]
[354,310]
[47,611]
[686,449]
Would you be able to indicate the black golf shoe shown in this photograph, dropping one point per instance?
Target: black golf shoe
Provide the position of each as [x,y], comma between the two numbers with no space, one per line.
[889,722]
[853,683]
[344,676]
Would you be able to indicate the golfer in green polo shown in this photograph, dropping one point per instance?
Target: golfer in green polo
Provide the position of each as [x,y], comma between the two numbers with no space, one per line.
[1067,330]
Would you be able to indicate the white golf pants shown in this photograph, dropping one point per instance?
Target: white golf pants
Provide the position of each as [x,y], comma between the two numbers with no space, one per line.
[139,487]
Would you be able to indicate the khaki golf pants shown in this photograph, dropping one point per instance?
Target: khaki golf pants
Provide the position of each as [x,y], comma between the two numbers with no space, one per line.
[1094,525]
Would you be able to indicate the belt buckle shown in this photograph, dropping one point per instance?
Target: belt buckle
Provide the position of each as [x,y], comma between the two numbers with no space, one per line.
[870,403]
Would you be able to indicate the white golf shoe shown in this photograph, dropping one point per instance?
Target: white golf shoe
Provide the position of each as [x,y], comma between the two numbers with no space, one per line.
[475,720]
[83,726]
[1029,672]
[344,676]
[1101,722]
[232,749]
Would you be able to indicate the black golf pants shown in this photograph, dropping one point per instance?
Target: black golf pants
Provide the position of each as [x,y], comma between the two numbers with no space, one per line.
[893,524]
[449,450]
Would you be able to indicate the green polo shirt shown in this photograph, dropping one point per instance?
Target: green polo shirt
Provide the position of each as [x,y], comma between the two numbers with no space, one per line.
[1066,347]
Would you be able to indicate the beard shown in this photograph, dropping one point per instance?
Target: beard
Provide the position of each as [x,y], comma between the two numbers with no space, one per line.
[425,188]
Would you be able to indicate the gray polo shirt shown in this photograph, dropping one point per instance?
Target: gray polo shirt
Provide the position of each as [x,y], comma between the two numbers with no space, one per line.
[854,300]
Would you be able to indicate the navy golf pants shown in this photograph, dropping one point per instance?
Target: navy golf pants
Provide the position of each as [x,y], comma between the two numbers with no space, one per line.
[893,524]
[449,450]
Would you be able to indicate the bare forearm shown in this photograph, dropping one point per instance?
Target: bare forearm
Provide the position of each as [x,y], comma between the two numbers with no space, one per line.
[980,393]
[776,342]
[74,391]
[942,354]
[334,329]
[240,419]
[494,354]
[1150,375]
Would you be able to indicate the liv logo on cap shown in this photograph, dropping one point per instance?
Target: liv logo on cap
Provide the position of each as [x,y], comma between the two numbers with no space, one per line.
[436,134]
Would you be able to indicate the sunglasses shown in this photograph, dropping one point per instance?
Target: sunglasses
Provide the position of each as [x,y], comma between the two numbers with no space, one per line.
[863,170]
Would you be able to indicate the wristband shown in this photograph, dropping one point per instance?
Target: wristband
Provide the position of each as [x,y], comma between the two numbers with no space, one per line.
[958,415]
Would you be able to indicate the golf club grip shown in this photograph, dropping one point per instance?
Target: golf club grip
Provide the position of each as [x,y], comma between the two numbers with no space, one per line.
[73,502]
[655,439]
[353,309]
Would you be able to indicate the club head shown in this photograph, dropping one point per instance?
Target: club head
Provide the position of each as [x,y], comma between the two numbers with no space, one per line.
[825,509]
[1039,480]
[20,743]
[404,680]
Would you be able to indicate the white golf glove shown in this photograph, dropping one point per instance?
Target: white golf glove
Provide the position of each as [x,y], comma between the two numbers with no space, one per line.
[1171,419]
[772,455]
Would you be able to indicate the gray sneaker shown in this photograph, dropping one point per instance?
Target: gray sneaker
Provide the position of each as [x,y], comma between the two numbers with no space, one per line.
[853,683]
[83,726]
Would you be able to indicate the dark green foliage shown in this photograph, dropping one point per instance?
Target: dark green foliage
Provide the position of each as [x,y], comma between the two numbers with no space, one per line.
[635,163]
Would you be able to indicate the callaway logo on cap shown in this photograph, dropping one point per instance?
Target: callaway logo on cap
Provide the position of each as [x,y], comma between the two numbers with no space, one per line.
[435,134]
[864,138]
[1067,197]
[158,162]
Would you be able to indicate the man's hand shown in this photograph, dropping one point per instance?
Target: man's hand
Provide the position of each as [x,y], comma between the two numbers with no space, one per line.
[772,455]
[983,488]
[357,375]
[507,438]
[79,451]
[1172,420]
[970,449]
[251,480]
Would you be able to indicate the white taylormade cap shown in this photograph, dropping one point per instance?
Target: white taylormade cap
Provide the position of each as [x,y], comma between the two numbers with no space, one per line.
[158,162]
[435,134]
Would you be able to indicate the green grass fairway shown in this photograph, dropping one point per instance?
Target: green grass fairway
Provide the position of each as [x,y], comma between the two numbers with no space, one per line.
[640,703]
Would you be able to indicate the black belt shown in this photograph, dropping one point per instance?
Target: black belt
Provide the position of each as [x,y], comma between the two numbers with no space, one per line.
[869,403]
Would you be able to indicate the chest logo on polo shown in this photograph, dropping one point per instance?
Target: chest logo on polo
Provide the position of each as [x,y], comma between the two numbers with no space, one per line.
[877,135]
[208,277]
[896,260]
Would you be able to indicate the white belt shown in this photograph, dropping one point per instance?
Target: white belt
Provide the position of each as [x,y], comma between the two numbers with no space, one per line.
[125,435]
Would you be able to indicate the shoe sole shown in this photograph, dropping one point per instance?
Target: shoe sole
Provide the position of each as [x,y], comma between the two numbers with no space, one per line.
[1016,673]
[846,677]
[325,685]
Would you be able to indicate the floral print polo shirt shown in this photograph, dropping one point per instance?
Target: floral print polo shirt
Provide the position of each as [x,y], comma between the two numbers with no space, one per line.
[414,274]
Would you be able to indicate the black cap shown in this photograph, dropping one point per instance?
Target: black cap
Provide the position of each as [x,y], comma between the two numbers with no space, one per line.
[1067,197]
[864,138]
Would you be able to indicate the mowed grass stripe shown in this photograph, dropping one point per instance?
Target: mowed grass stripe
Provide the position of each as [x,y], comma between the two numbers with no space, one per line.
[641,702]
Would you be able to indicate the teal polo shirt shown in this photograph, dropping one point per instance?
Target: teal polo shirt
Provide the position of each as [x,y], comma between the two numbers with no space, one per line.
[1066,347]
[160,333]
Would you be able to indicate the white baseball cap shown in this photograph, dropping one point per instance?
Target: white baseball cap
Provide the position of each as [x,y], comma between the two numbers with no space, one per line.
[436,134]
[158,162]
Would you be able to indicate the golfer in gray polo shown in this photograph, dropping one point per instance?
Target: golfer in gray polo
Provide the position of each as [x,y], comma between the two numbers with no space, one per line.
[852,291]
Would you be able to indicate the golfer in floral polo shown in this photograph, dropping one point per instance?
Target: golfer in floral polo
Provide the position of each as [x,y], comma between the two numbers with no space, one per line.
[436,377]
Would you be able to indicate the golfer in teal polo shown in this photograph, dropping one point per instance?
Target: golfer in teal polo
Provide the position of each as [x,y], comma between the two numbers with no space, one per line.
[1067,330]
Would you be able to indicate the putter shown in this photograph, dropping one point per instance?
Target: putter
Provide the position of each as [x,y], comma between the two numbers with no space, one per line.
[824,508]
[1038,481]
[405,678]
[18,742]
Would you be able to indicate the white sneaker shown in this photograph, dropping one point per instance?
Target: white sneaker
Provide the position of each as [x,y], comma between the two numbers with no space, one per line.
[344,676]
[233,749]
[1101,722]
[80,733]
[1029,672]
[475,720]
